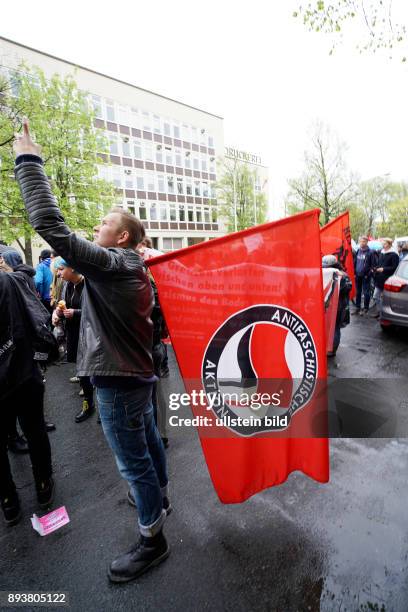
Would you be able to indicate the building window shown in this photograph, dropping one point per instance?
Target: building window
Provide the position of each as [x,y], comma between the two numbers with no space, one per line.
[199,215]
[205,189]
[129,180]
[131,207]
[160,182]
[117,176]
[190,214]
[189,187]
[170,184]
[147,125]
[178,158]
[137,148]
[214,215]
[197,188]
[176,131]
[140,182]
[196,163]
[211,142]
[186,132]
[173,212]
[156,124]
[148,152]
[151,186]
[172,244]
[187,160]
[113,145]
[153,212]
[203,164]
[207,215]
[142,211]
[163,212]
[166,126]
[169,156]
[203,136]
[97,106]
[135,117]
[182,212]
[180,186]
[110,110]
[212,165]
[194,134]
[159,154]
[123,115]
[125,147]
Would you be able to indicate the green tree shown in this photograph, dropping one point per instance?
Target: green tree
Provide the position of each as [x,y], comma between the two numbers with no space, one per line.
[62,121]
[325,182]
[381,31]
[240,203]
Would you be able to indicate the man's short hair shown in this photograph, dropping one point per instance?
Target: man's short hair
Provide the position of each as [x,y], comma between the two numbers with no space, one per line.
[363,238]
[388,240]
[132,225]
[147,241]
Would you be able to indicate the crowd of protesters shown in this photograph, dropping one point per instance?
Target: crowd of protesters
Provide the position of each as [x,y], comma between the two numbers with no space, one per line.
[106,319]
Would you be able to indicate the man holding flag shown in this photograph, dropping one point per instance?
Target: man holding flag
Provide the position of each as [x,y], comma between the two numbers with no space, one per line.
[115,348]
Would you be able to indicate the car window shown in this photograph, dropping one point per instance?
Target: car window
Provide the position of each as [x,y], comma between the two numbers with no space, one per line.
[403,270]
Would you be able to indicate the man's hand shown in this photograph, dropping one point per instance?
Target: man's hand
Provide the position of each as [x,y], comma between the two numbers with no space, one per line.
[68,313]
[23,144]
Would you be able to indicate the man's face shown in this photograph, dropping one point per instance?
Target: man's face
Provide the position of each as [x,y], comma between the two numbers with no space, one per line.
[363,243]
[108,232]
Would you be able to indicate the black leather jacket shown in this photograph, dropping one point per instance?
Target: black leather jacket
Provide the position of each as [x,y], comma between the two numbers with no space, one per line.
[116,329]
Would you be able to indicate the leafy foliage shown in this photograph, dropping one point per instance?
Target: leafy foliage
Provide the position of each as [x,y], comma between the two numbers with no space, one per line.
[62,121]
[236,190]
[382,31]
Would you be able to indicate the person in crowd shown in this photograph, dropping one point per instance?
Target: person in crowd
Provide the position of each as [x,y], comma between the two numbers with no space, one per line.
[12,261]
[116,349]
[21,387]
[387,264]
[43,278]
[364,266]
[343,311]
[57,282]
[68,313]
[402,250]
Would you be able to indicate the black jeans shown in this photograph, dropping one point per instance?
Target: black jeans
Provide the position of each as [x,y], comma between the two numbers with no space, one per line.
[87,388]
[27,403]
[363,287]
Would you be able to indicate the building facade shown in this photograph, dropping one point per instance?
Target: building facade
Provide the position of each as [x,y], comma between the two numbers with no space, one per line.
[163,152]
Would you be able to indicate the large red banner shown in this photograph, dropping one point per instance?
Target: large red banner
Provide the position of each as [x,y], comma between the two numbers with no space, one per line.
[245,314]
[336,240]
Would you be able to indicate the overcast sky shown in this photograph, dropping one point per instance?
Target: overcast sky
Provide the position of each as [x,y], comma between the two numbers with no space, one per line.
[250,62]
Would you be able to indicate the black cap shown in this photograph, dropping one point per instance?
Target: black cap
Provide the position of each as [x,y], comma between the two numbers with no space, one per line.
[45,254]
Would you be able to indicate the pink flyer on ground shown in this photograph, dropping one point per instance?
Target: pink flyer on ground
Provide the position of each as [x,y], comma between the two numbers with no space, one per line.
[50,522]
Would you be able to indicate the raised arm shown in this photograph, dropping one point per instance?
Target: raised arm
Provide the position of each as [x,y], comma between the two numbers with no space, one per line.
[44,215]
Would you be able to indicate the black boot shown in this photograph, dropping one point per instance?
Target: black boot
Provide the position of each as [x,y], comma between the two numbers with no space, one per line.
[147,553]
[45,492]
[11,509]
[87,409]
[17,444]
[49,426]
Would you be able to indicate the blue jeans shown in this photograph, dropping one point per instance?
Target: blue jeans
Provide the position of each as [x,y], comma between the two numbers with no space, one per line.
[128,424]
[363,287]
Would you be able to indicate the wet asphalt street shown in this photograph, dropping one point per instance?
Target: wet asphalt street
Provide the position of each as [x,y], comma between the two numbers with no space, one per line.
[299,546]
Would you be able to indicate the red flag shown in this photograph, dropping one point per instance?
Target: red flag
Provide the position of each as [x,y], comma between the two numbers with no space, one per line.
[245,314]
[336,240]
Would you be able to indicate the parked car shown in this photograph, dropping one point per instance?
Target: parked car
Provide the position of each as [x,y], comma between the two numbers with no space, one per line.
[395,298]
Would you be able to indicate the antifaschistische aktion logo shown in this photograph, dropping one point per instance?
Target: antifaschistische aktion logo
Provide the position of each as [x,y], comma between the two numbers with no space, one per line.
[260,365]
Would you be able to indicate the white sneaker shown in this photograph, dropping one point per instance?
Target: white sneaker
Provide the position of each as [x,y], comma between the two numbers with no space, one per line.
[74,379]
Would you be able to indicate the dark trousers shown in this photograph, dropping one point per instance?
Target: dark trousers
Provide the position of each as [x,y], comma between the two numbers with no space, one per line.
[87,388]
[27,403]
[363,287]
